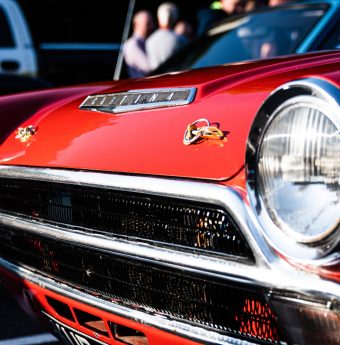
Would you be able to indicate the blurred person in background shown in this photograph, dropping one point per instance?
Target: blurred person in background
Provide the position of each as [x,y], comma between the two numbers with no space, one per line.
[273,3]
[271,48]
[252,5]
[184,31]
[134,49]
[164,41]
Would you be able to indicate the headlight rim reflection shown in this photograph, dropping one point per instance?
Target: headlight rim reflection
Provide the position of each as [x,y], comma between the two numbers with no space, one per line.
[294,103]
[316,253]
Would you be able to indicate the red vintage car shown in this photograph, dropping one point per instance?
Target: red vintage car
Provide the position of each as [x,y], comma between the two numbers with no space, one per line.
[199,207]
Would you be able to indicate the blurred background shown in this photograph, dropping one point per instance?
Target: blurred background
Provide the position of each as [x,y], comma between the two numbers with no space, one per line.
[63,42]
[79,41]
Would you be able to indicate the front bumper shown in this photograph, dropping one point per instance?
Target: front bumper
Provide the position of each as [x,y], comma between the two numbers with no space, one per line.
[312,302]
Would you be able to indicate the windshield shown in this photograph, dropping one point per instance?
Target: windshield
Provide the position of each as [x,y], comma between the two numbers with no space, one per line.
[255,35]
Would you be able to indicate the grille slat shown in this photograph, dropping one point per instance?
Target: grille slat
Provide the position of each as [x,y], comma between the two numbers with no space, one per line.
[226,307]
[160,220]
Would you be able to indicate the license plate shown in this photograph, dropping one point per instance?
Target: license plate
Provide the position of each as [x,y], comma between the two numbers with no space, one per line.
[70,336]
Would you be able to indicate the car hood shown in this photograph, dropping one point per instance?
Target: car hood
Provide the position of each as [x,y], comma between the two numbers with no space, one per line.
[150,142]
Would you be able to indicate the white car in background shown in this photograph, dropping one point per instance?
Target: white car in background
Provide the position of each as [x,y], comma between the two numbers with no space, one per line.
[17,52]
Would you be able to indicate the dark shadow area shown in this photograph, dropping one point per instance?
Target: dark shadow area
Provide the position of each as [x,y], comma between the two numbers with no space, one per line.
[14,322]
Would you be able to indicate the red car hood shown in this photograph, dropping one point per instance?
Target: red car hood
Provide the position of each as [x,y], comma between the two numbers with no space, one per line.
[149,142]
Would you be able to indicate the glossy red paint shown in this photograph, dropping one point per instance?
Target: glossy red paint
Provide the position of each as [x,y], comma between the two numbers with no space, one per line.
[34,300]
[149,142]
[329,271]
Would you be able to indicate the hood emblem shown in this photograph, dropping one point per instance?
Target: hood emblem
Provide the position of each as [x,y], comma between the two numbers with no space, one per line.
[25,133]
[133,100]
[194,133]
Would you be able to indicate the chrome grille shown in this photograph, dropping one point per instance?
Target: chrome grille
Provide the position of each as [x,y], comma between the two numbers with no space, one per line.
[163,221]
[213,303]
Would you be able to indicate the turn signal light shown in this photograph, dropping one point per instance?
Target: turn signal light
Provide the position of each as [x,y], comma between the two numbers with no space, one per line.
[306,322]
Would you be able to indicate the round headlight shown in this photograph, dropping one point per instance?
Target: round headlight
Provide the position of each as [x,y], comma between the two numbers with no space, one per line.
[298,168]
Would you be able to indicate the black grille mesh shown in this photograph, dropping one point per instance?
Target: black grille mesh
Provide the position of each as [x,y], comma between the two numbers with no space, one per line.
[161,220]
[212,303]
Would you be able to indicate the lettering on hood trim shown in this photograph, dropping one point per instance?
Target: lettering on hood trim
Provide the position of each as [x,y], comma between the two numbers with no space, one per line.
[138,100]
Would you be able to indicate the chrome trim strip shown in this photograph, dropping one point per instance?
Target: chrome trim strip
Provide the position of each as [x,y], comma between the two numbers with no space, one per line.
[269,271]
[164,256]
[277,276]
[320,88]
[158,321]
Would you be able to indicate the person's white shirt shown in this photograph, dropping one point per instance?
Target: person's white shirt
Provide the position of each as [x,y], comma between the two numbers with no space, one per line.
[160,46]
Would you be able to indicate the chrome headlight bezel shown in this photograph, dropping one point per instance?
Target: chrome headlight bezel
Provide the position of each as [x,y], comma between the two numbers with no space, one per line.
[324,97]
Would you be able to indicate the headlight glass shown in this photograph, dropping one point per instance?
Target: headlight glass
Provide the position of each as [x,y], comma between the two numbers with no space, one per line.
[299,169]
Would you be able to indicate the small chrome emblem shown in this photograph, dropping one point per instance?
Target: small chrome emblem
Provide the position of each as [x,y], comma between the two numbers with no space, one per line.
[193,133]
[25,133]
[134,100]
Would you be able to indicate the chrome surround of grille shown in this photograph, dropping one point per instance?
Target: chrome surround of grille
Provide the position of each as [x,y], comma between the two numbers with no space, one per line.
[269,270]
